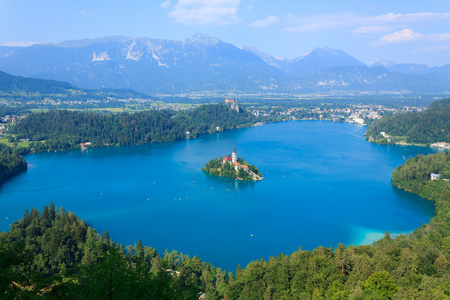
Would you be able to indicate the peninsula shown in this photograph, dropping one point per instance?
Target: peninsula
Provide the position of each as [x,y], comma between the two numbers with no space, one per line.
[233,167]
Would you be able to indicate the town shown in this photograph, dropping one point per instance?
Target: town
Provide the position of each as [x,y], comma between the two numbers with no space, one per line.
[361,114]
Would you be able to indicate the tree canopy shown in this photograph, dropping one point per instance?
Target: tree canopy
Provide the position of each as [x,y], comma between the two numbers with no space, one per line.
[430,126]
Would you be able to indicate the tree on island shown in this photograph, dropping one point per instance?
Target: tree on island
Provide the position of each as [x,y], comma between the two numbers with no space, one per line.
[232,167]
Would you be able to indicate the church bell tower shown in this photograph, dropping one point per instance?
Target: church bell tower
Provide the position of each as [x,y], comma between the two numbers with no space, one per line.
[234,155]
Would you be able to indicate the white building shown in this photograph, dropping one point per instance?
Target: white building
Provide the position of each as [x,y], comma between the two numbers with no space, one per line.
[434,176]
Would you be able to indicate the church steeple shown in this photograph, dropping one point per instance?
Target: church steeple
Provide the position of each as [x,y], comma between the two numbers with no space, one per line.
[234,155]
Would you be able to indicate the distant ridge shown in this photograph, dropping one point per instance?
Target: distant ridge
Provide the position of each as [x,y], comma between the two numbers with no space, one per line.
[205,64]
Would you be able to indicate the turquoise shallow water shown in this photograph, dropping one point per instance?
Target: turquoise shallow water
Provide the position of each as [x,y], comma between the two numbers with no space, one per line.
[324,185]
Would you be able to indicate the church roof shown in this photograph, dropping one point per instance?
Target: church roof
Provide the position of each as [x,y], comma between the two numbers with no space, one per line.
[228,158]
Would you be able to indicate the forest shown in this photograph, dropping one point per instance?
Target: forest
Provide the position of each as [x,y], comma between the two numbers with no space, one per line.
[11,163]
[430,126]
[54,254]
[65,130]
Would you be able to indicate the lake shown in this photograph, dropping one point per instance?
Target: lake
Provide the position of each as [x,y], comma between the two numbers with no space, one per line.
[324,184]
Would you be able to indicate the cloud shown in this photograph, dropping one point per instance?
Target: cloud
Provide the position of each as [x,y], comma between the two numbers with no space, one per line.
[19,44]
[405,35]
[202,12]
[362,24]
[319,22]
[408,35]
[265,22]
[407,18]
[165,4]
[371,29]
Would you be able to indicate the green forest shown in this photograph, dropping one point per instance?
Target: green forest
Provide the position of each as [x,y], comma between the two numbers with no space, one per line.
[430,126]
[11,163]
[65,130]
[54,254]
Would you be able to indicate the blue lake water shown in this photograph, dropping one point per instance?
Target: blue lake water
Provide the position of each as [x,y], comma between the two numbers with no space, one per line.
[324,185]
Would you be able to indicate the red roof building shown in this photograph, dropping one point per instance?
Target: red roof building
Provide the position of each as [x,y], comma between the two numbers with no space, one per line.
[227,159]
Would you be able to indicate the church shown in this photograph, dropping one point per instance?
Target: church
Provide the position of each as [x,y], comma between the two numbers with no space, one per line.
[232,159]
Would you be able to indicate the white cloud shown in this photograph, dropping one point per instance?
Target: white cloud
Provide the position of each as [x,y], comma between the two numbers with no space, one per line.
[364,24]
[408,35]
[19,44]
[405,35]
[265,22]
[165,4]
[406,18]
[371,29]
[319,22]
[201,12]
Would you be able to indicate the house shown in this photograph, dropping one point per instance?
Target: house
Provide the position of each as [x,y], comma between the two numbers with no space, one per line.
[237,166]
[434,176]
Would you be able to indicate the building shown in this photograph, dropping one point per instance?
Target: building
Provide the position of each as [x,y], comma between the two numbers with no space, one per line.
[227,159]
[234,155]
[434,176]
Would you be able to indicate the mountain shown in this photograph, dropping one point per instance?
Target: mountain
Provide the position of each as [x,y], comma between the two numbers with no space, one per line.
[378,62]
[408,68]
[205,64]
[319,59]
[148,65]
[369,79]
[311,62]
[18,87]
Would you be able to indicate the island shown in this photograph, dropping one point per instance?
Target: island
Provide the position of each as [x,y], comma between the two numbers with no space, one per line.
[232,167]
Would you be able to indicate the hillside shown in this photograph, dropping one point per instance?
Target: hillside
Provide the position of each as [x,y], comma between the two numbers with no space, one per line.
[430,126]
[20,88]
[414,177]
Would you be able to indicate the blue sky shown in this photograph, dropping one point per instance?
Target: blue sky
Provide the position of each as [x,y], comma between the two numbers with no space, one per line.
[397,30]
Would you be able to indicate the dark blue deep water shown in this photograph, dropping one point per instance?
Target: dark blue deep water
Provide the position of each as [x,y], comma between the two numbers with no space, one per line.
[324,185]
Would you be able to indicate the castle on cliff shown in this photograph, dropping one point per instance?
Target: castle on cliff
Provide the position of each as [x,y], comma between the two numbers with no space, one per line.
[233,103]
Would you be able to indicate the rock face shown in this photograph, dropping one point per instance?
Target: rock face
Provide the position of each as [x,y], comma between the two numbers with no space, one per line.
[233,104]
[204,63]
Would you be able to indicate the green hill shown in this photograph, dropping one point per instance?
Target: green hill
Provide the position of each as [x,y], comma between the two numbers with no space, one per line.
[64,130]
[22,89]
[430,126]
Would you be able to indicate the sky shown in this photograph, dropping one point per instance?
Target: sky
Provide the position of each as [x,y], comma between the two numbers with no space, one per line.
[402,31]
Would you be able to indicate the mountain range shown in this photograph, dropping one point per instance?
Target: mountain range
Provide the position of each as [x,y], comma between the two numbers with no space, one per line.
[203,63]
